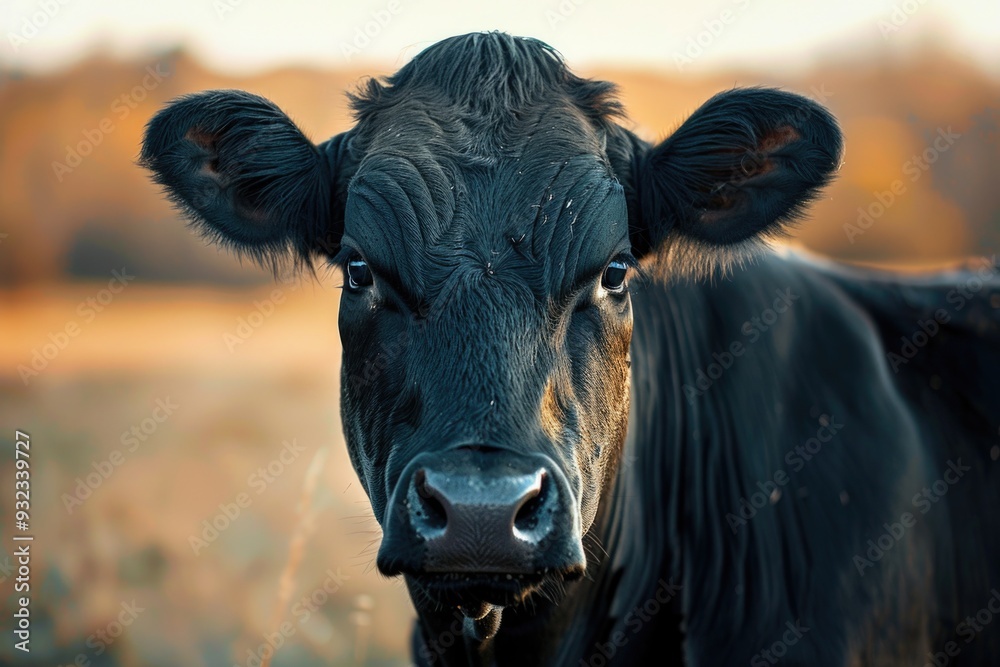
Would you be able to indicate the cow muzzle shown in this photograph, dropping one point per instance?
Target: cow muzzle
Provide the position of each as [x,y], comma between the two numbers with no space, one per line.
[482,519]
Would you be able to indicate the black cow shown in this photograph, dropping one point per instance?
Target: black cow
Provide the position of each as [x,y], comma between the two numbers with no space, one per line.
[791,462]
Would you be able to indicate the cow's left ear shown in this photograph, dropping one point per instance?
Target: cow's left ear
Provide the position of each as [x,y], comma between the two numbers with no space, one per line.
[744,164]
[245,175]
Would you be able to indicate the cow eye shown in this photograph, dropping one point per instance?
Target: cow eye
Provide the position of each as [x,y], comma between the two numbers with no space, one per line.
[358,275]
[613,279]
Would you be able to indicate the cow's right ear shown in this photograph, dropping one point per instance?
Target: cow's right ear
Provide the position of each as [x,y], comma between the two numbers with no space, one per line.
[737,172]
[245,175]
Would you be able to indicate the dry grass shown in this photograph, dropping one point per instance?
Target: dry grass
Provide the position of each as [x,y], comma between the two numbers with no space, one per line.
[130,538]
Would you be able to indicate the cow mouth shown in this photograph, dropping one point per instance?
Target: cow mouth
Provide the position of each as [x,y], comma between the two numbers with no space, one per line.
[474,592]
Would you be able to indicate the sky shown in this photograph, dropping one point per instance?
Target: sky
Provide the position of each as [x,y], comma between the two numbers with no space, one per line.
[248,36]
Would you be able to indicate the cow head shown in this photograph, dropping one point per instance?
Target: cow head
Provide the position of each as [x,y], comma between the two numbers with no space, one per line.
[488,214]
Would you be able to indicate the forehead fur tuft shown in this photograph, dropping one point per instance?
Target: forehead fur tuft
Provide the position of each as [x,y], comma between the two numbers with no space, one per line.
[488,82]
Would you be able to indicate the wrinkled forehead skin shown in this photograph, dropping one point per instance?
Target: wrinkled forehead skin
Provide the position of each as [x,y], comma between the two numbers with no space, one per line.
[452,179]
[424,210]
[550,224]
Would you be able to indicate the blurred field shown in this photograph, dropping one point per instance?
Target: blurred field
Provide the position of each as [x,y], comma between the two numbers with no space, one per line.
[130,539]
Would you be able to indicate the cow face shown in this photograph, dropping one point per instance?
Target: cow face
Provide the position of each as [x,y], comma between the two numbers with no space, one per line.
[486,326]
[487,213]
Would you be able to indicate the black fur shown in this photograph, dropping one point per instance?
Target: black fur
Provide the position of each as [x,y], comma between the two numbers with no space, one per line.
[487,188]
[242,171]
[489,80]
[744,163]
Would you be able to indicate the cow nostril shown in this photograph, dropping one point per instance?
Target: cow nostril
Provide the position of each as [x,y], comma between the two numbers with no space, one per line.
[527,518]
[519,506]
[429,510]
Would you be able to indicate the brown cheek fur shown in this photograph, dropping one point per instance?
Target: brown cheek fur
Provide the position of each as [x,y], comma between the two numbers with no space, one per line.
[610,390]
[618,398]
[553,416]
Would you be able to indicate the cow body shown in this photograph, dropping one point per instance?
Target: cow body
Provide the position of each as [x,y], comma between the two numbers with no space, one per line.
[819,373]
[588,438]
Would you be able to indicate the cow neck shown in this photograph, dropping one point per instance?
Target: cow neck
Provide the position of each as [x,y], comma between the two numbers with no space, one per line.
[644,568]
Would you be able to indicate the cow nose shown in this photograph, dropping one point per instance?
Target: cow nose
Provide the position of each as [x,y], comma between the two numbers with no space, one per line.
[511,508]
[476,510]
